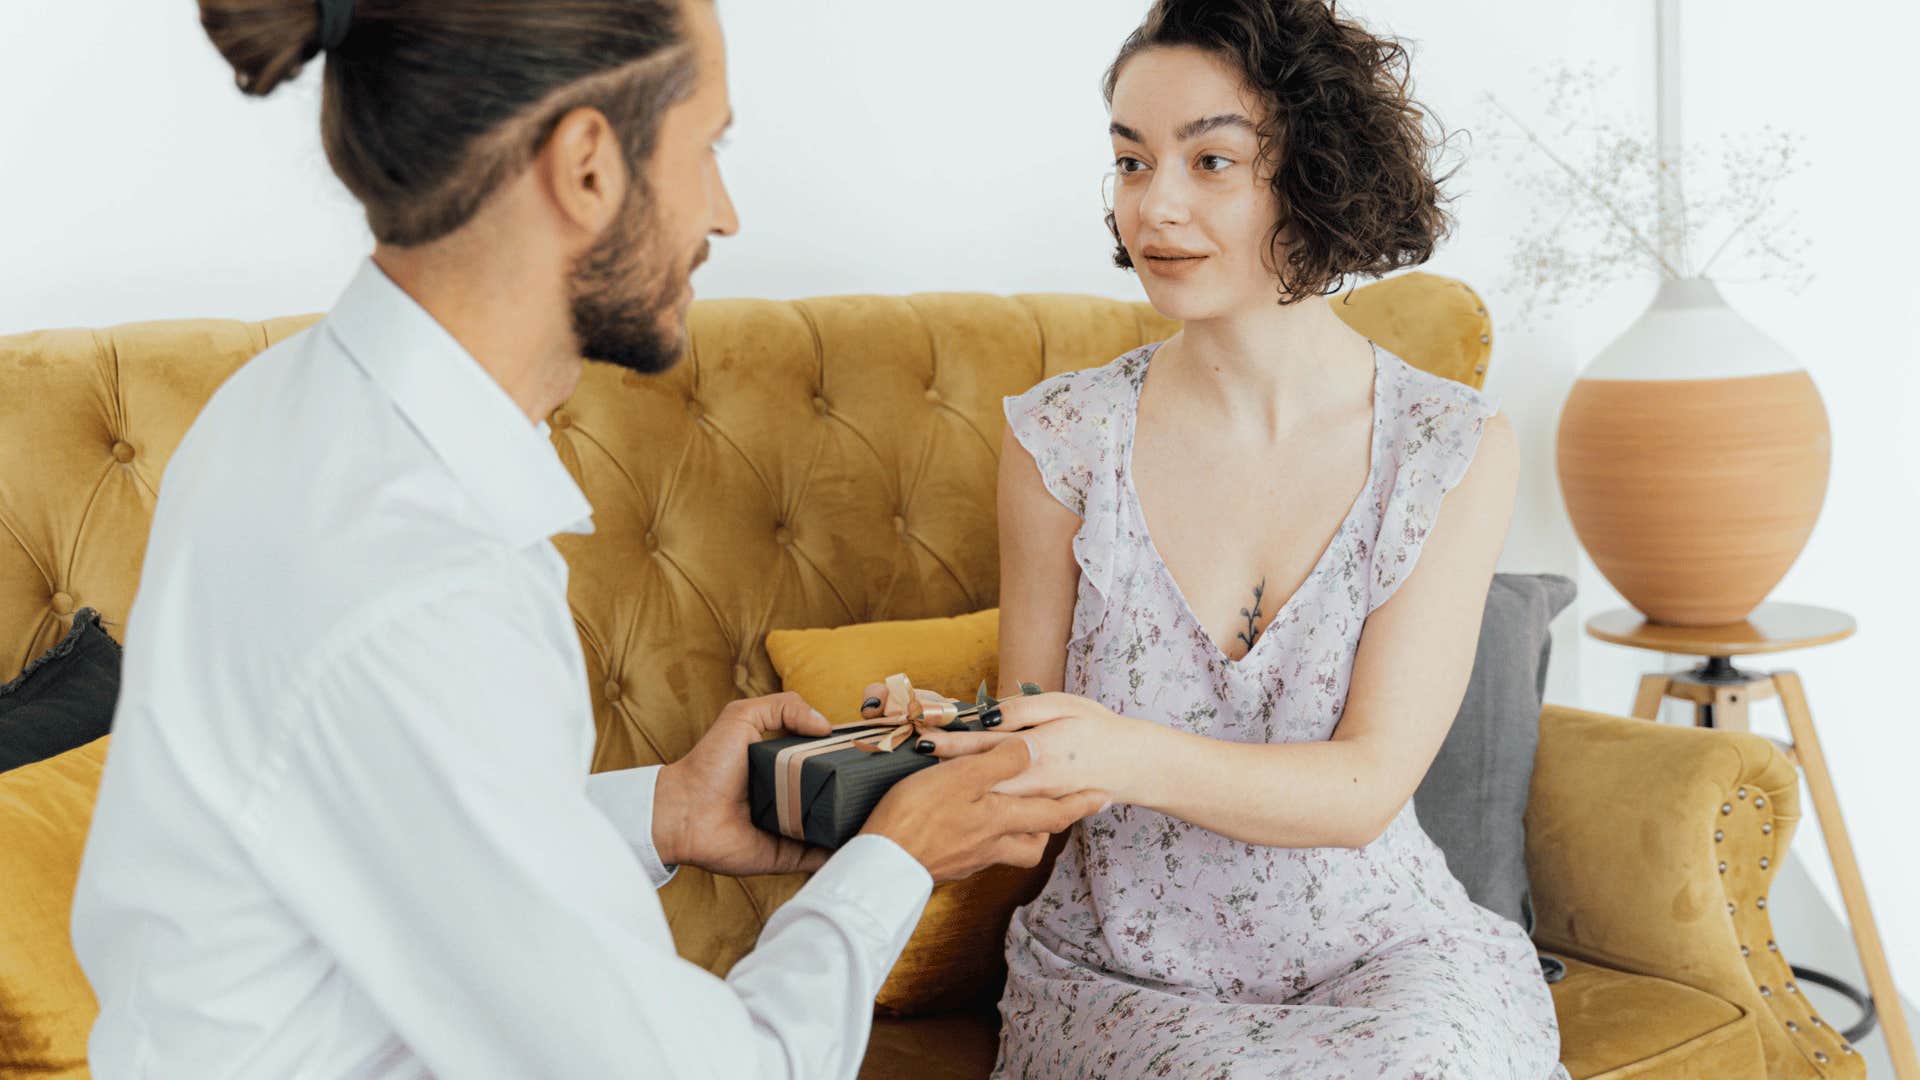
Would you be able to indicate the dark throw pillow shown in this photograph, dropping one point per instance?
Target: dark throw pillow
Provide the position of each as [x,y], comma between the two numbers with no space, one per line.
[62,700]
[1473,801]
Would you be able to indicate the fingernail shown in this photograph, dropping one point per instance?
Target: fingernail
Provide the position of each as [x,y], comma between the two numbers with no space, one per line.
[820,716]
[991,721]
[870,703]
[1103,806]
[1033,749]
[925,746]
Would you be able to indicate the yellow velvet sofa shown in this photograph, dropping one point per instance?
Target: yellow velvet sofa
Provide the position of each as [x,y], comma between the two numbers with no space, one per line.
[830,461]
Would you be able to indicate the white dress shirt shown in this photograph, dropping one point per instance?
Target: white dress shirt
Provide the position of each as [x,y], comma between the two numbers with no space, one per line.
[347,828]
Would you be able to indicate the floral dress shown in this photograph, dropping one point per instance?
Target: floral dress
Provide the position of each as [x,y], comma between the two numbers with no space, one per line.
[1161,949]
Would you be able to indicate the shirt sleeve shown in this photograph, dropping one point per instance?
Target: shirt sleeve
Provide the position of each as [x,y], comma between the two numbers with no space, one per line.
[626,797]
[427,818]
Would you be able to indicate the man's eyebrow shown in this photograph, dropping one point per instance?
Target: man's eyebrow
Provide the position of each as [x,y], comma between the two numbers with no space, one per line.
[1193,128]
[1125,132]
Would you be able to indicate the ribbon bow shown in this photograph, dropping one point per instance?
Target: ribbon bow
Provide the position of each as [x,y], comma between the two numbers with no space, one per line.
[907,714]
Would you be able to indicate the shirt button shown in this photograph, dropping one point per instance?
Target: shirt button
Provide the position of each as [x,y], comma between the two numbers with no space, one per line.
[122,452]
[62,604]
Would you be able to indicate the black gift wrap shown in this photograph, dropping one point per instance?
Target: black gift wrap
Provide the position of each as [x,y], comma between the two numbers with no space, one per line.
[838,789]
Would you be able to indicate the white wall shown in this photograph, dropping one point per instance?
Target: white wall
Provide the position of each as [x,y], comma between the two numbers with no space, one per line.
[891,146]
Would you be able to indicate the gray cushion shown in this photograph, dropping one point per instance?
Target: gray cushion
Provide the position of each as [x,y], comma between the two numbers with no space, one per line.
[1474,798]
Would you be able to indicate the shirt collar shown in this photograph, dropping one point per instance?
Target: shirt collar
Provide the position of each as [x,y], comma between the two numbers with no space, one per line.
[503,461]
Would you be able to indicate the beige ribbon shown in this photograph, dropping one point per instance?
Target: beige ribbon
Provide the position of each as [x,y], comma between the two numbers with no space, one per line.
[873,736]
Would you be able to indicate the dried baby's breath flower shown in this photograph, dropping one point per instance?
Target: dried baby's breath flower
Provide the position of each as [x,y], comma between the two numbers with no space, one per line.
[1593,183]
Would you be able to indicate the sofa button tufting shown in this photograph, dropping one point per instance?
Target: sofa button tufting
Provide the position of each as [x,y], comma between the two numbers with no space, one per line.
[740,676]
[560,420]
[694,409]
[900,524]
[933,395]
[122,452]
[62,604]
[612,690]
[783,536]
[820,405]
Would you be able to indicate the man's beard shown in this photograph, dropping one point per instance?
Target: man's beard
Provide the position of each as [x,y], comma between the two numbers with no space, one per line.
[624,291]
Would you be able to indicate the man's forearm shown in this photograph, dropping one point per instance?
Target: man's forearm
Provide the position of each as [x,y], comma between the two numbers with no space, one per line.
[1313,794]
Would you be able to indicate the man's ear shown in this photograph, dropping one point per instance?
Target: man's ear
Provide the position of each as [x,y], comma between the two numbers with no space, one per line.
[584,170]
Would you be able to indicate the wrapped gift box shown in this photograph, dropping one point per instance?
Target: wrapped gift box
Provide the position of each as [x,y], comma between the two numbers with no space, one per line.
[829,791]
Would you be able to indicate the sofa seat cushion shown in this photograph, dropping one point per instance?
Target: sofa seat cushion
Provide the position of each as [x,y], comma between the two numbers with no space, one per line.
[1617,1024]
[1612,1025]
[951,1046]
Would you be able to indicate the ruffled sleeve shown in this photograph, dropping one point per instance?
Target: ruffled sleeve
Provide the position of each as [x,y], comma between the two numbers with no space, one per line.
[1076,427]
[1433,430]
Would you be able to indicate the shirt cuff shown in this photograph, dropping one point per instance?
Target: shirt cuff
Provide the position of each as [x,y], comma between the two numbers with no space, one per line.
[625,796]
[877,877]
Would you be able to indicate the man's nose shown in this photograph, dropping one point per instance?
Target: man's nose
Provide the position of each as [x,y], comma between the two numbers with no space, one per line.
[726,221]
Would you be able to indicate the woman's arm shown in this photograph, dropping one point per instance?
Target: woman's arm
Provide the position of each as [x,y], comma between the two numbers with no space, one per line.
[1038,576]
[1409,676]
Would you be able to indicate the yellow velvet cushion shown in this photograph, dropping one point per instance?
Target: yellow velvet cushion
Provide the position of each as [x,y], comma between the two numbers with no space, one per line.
[954,958]
[46,1005]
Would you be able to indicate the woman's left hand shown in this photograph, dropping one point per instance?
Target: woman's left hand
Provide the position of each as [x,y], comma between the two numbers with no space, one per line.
[1077,744]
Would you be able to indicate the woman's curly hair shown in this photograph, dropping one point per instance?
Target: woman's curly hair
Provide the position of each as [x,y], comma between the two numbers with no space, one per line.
[1347,147]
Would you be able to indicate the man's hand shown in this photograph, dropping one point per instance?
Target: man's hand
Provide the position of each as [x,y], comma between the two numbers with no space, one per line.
[700,802]
[952,820]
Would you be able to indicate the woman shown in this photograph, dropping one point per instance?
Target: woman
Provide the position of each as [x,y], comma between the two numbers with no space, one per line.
[1231,550]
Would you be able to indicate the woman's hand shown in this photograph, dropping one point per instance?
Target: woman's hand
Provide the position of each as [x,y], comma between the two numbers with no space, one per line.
[1076,745]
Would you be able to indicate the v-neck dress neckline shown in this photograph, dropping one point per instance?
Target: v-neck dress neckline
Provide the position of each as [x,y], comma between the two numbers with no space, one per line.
[1178,595]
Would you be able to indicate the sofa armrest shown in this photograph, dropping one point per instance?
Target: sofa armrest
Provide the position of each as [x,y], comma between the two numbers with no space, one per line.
[1650,849]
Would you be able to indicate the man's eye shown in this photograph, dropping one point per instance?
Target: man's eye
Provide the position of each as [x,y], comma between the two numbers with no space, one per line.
[1129,165]
[1215,163]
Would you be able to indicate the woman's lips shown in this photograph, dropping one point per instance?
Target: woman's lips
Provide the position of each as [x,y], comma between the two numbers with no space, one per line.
[1172,265]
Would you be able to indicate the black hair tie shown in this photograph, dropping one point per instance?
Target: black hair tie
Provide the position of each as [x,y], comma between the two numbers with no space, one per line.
[336,16]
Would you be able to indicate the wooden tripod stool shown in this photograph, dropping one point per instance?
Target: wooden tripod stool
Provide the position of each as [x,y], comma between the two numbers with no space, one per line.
[1721,694]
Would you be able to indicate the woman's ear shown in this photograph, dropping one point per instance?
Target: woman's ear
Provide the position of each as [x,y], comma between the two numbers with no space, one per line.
[584,171]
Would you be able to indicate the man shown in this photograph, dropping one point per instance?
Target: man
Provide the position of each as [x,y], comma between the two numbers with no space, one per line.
[346,826]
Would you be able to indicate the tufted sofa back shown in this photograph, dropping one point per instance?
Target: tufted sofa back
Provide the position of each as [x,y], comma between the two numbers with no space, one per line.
[813,463]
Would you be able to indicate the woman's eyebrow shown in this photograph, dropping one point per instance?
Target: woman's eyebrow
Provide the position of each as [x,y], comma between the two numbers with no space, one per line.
[1191,129]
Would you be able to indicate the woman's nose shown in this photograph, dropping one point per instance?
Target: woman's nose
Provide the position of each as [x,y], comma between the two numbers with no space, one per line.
[1165,201]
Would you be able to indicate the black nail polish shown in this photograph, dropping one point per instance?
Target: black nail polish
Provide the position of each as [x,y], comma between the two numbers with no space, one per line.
[990,720]
[870,703]
[924,746]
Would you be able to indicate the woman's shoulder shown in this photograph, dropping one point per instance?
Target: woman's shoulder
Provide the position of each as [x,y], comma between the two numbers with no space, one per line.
[1072,395]
[1075,424]
[1428,415]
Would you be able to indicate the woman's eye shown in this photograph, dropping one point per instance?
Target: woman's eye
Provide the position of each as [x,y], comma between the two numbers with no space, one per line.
[1129,165]
[1214,162]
